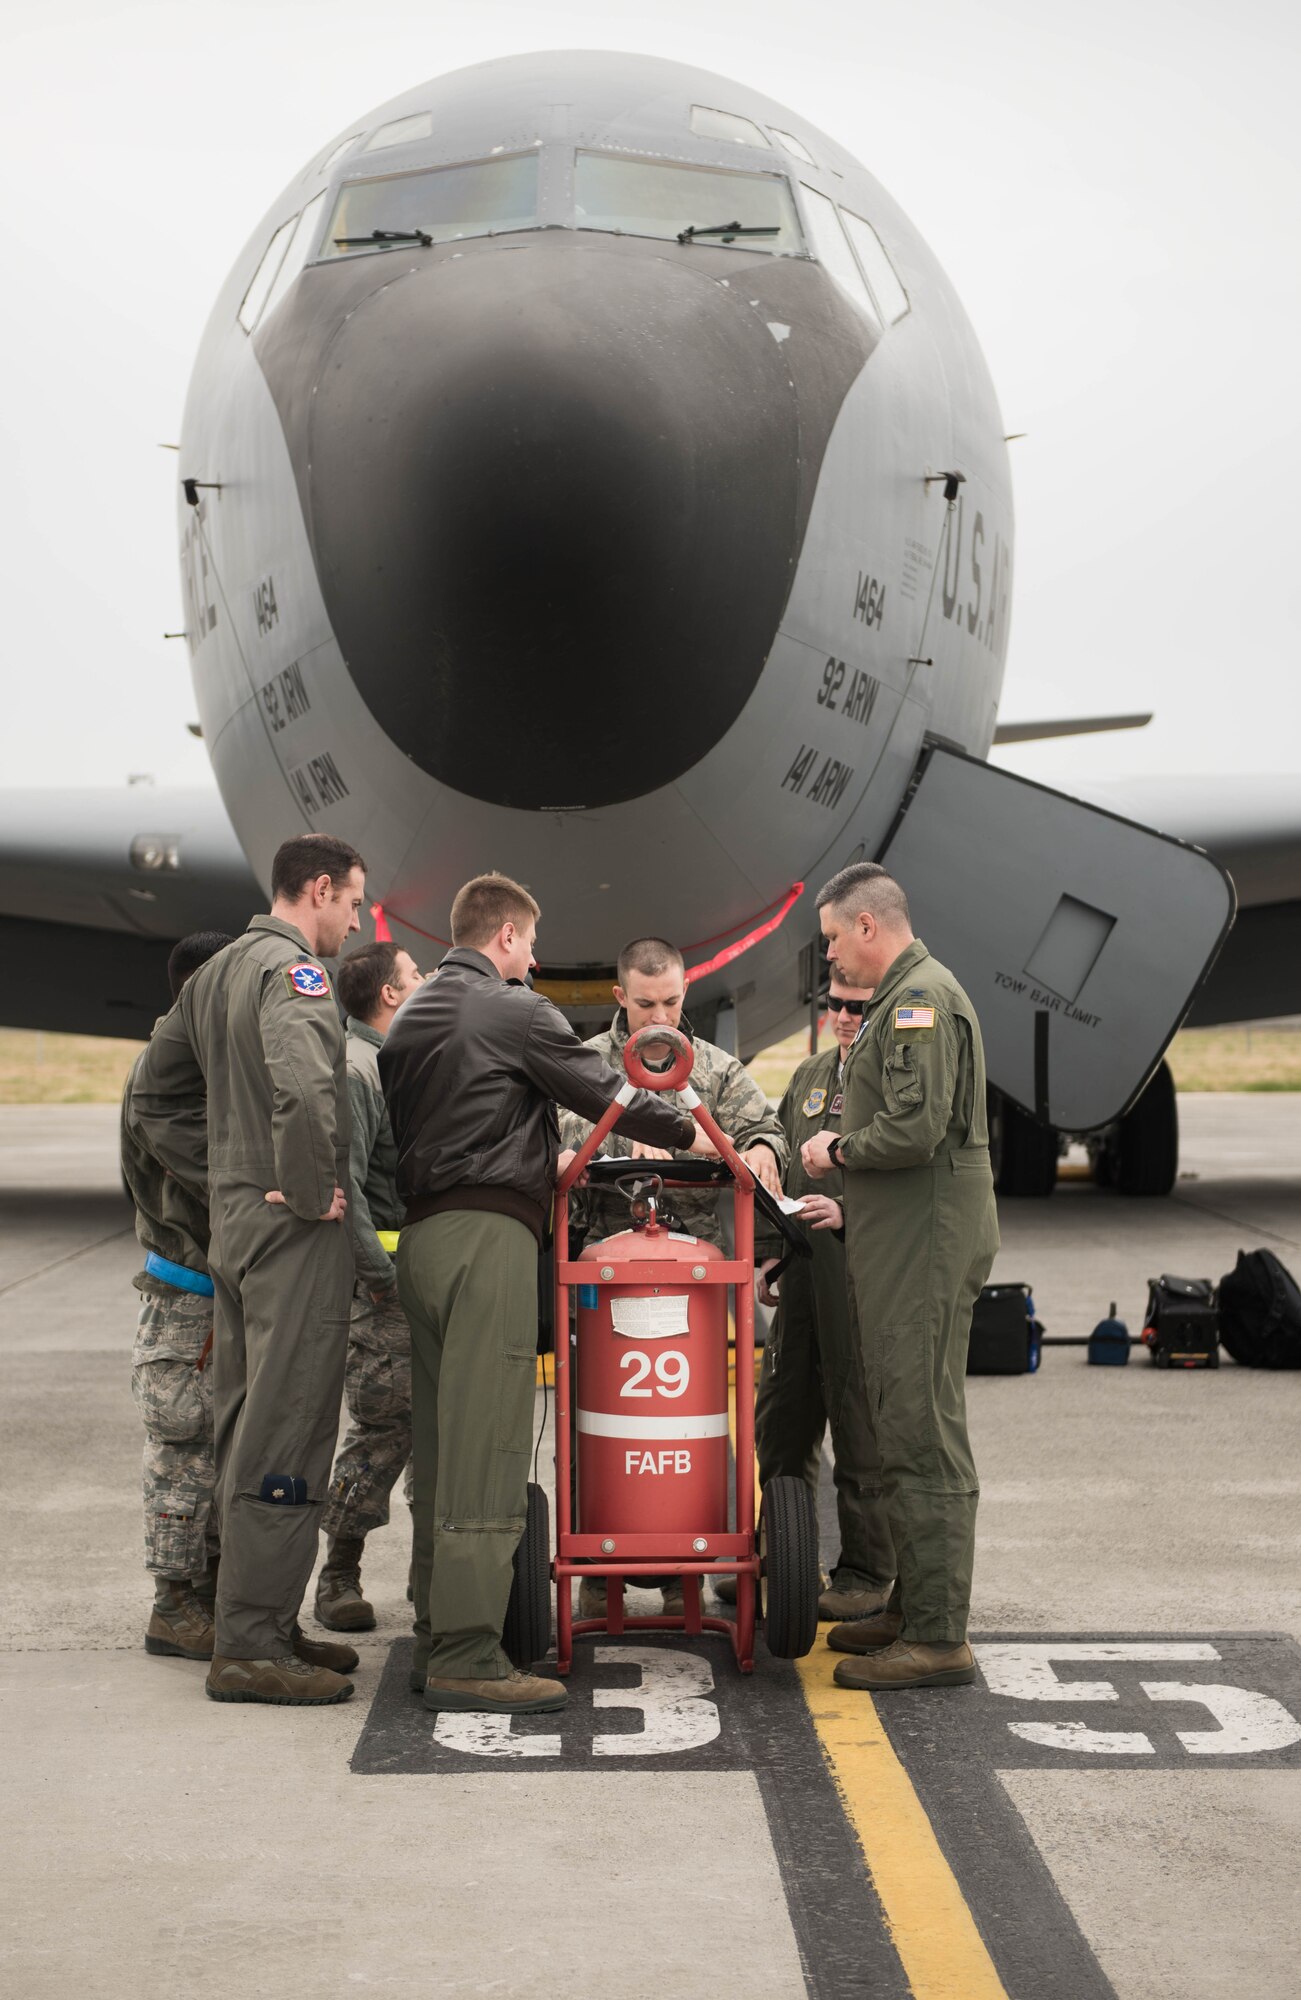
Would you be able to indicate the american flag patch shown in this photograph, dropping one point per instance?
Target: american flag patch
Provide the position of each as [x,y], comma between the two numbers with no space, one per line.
[914,1017]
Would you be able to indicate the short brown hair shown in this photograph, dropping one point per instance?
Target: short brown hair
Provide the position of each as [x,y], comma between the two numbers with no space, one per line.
[361,976]
[867,886]
[651,956]
[308,855]
[487,902]
[192,952]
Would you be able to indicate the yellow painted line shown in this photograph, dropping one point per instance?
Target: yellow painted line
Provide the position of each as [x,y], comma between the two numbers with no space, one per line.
[942,1953]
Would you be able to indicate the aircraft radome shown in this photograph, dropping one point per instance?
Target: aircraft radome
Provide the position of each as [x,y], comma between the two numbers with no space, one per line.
[589,472]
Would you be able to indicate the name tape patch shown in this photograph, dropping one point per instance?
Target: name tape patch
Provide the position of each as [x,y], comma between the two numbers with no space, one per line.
[308,980]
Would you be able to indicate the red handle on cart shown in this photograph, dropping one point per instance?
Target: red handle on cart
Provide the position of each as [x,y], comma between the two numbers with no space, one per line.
[652,1037]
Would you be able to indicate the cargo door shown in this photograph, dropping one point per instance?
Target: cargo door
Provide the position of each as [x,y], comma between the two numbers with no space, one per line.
[1081,937]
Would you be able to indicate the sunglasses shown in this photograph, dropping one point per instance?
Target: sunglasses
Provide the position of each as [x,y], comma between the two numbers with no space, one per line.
[853,1007]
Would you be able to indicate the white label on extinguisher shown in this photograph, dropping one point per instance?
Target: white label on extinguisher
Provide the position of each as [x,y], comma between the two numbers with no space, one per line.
[599,1423]
[650,1319]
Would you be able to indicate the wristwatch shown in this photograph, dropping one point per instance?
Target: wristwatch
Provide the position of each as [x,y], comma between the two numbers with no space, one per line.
[834,1153]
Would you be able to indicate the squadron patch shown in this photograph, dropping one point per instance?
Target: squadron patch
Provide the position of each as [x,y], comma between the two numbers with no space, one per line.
[837,1104]
[309,981]
[813,1103]
[914,1020]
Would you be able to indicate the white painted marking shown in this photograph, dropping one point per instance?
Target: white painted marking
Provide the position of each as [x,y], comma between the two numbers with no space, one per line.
[778,331]
[673,1699]
[599,1423]
[489,1736]
[659,1463]
[1078,1736]
[1026,1672]
[1248,1721]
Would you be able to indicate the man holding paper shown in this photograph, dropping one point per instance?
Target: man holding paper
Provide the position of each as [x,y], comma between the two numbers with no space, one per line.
[812,1368]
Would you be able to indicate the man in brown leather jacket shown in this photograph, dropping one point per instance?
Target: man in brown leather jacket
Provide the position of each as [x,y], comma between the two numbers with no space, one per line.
[470,1069]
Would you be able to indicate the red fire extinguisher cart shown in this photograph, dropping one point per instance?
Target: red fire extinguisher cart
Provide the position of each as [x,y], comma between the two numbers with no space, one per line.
[647,1406]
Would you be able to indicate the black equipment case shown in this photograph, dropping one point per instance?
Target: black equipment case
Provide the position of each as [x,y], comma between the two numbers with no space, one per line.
[1005,1335]
[1181,1327]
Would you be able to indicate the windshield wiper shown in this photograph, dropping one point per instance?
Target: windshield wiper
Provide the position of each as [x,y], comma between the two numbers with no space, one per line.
[385,236]
[727,230]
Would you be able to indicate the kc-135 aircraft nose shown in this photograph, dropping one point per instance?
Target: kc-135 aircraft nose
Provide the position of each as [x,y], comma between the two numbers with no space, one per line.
[539,473]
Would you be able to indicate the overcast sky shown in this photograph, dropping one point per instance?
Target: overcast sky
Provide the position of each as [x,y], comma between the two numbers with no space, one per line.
[1115,190]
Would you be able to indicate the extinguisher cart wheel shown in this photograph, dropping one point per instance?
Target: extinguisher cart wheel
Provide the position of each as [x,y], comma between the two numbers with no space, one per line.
[526,1635]
[789,1577]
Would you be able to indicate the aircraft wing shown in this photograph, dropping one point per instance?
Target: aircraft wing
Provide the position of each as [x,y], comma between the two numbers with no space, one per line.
[1252,826]
[96,887]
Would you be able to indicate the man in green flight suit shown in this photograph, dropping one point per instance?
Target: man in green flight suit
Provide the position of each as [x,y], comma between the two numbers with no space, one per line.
[812,1365]
[258,1025]
[921,1235]
[373,982]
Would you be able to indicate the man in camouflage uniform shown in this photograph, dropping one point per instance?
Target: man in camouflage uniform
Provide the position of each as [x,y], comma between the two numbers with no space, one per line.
[812,1367]
[170,1379]
[651,991]
[258,1026]
[372,983]
[921,1234]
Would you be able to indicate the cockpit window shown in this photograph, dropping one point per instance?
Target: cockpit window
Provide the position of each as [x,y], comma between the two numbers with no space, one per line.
[296,255]
[442,204]
[877,268]
[831,247]
[264,276]
[707,123]
[418,125]
[652,198]
[794,145]
[333,157]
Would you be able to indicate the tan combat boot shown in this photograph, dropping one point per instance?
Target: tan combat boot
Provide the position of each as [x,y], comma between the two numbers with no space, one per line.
[866,1635]
[179,1625]
[286,1682]
[592,1599]
[320,1653]
[340,1606]
[674,1601]
[910,1663]
[851,1604]
[518,1694]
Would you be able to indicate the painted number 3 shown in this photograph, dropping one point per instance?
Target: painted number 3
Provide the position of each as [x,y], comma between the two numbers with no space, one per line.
[672,1373]
[673,1701]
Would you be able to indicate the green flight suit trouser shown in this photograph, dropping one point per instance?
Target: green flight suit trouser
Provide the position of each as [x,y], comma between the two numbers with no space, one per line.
[920,1249]
[812,1371]
[468,1282]
[282,1288]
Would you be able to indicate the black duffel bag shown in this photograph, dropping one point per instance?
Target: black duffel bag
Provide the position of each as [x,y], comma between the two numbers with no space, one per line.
[1260,1312]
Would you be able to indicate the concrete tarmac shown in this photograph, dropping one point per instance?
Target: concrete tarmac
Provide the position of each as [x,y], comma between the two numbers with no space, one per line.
[154,1840]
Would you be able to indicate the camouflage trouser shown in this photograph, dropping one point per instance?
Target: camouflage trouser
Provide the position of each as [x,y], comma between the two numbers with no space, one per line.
[174,1397]
[377,1387]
